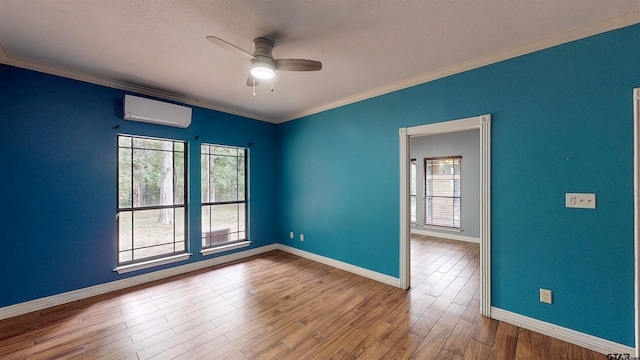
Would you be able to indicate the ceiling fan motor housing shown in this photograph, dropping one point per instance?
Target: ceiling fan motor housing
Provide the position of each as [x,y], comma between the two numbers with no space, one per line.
[263,47]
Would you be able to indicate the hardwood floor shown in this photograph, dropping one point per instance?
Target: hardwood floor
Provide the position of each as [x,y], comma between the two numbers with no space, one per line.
[280,306]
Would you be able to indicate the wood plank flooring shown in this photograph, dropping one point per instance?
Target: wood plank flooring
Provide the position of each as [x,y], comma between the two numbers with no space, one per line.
[280,306]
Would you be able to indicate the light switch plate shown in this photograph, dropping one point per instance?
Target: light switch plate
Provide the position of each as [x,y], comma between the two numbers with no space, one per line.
[580,200]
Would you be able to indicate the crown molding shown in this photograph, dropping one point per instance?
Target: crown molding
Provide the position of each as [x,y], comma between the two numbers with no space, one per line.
[596,28]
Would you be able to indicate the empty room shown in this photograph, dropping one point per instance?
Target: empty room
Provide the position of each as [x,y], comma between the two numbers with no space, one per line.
[320,179]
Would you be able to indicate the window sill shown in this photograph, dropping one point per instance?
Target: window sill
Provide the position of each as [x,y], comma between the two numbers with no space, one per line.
[223,248]
[443,228]
[151,263]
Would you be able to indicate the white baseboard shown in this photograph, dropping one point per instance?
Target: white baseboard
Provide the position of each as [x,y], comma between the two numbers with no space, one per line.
[63,298]
[445,235]
[571,336]
[373,275]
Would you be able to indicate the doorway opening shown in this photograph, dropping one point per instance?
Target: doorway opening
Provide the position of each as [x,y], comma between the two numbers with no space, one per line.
[483,124]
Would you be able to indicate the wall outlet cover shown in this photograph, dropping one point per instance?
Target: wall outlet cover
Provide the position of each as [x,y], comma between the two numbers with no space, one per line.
[545,296]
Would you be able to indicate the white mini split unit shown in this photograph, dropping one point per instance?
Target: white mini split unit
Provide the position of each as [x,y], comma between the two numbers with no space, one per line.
[156,112]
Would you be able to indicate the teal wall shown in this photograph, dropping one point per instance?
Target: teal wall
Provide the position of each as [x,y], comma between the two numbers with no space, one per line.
[562,122]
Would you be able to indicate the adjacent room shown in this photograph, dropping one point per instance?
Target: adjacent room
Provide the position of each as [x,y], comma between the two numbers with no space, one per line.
[319,179]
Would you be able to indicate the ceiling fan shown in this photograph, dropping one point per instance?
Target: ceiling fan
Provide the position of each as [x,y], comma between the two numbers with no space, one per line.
[263,65]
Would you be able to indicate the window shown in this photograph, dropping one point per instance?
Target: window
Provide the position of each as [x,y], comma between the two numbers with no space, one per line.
[151,198]
[442,199]
[413,191]
[224,195]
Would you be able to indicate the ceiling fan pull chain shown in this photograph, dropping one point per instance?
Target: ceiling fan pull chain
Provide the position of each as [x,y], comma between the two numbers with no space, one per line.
[272,85]
[254,87]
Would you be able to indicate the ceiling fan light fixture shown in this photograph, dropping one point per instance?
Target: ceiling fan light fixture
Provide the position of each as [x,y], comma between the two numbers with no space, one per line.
[262,70]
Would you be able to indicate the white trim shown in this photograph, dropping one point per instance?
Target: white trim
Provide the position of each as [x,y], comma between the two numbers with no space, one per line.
[223,248]
[636,212]
[571,336]
[63,298]
[405,209]
[483,123]
[370,274]
[603,26]
[485,215]
[152,263]
[445,235]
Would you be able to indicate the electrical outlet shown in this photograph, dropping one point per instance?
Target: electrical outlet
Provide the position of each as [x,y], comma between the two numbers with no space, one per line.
[301,237]
[291,235]
[545,296]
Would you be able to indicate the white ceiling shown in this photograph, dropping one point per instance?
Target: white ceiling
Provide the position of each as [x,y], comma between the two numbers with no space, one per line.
[367,47]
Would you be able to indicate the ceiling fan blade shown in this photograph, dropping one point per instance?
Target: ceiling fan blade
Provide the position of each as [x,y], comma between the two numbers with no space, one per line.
[230,47]
[298,65]
[250,81]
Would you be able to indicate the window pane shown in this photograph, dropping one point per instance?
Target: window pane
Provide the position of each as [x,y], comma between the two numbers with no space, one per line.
[125,256]
[167,174]
[179,179]
[124,141]
[146,178]
[241,177]
[180,226]
[225,216]
[125,193]
[456,212]
[150,235]
[152,172]
[225,224]
[204,179]
[442,211]
[206,218]
[241,218]
[180,247]
[224,172]
[125,233]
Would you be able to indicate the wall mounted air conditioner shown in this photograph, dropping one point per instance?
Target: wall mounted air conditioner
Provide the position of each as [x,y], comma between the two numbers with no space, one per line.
[156,112]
